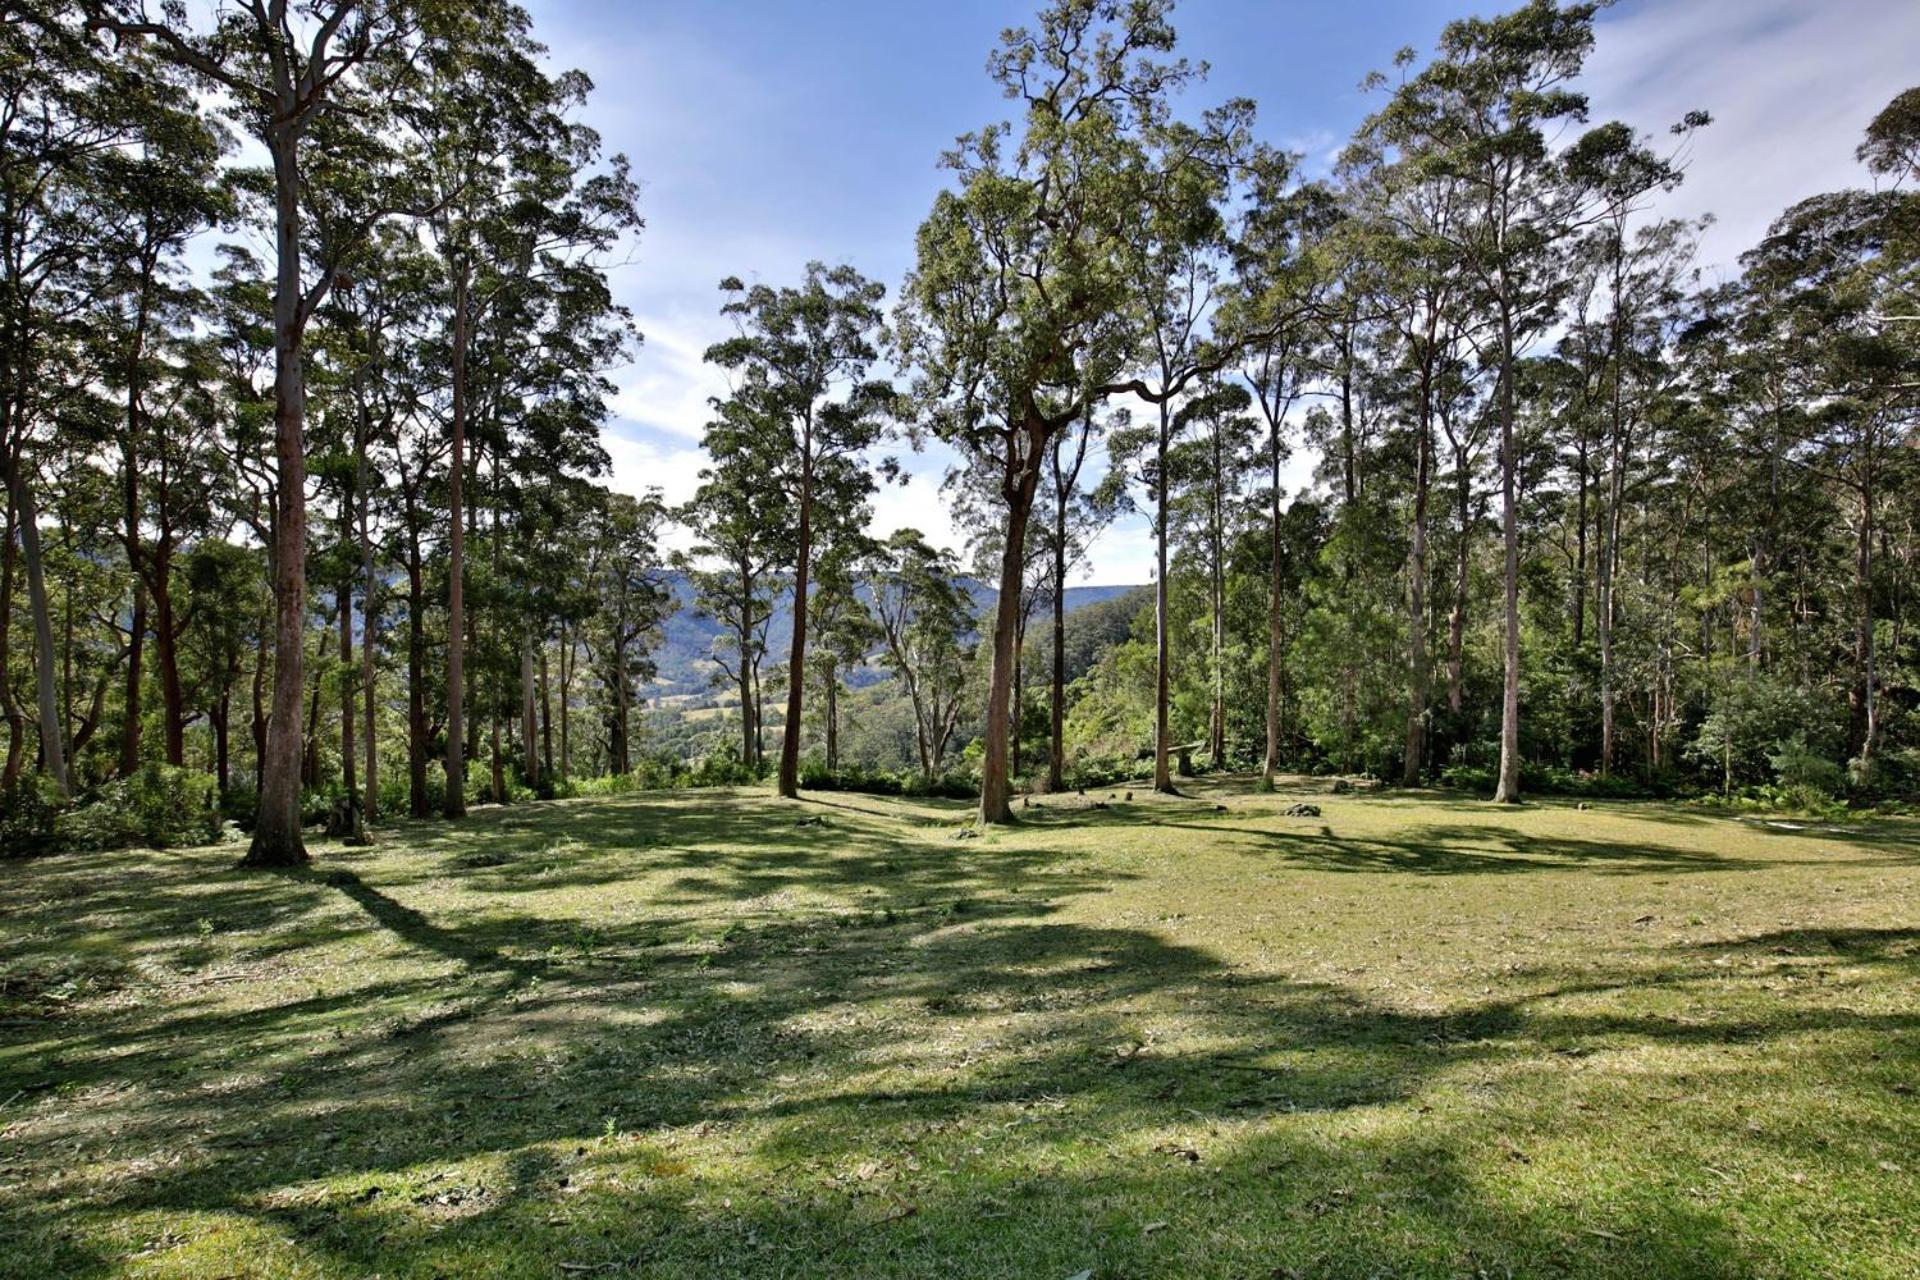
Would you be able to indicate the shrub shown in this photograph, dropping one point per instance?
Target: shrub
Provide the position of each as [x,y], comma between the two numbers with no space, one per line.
[1800,768]
[1552,780]
[241,804]
[160,806]
[29,814]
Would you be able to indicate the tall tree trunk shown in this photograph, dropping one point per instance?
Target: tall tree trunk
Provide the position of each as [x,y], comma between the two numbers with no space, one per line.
[16,722]
[417,800]
[455,803]
[1414,759]
[132,712]
[1508,790]
[1580,542]
[1019,481]
[1217,582]
[1057,691]
[355,828]
[788,783]
[276,832]
[1462,580]
[529,741]
[369,618]
[1863,715]
[567,659]
[166,652]
[52,734]
[1270,762]
[1162,675]
[546,717]
[832,692]
[258,723]
[222,715]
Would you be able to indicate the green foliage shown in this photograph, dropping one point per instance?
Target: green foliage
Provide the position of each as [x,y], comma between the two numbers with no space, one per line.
[815,776]
[1552,780]
[29,813]
[1799,766]
[159,806]
[1751,715]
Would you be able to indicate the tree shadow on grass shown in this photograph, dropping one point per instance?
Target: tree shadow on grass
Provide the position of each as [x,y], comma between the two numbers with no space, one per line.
[923,1069]
[1464,849]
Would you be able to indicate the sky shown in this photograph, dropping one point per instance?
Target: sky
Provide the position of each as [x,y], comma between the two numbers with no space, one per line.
[768,133]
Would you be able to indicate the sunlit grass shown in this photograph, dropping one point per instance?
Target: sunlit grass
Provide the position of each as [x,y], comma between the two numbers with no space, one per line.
[680,1035]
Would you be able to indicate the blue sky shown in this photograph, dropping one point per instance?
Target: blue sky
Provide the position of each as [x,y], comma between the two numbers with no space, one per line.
[769,132]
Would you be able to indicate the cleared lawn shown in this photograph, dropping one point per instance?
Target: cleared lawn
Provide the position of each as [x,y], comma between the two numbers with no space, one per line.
[680,1035]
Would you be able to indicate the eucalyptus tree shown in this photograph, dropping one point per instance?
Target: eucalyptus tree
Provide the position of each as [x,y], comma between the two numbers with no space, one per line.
[743,534]
[1410,218]
[1642,287]
[844,629]
[513,206]
[159,192]
[288,70]
[67,111]
[801,357]
[543,329]
[1841,271]
[1279,280]
[1024,305]
[629,583]
[926,620]
[1207,475]
[1479,115]
[1177,251]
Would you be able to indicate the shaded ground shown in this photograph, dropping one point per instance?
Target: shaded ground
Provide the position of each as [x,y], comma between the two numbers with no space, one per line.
[680,1035]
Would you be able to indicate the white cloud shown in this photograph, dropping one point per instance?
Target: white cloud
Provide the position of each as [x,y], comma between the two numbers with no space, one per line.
[919,504]
[641,463]
[1791,86]
[668,385]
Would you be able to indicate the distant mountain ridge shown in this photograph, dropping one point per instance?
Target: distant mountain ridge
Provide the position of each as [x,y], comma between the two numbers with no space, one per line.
[683,658]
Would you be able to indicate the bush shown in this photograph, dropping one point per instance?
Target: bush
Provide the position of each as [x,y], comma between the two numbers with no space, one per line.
[160,806]
[1552,780]
[241,805]
[29,814]
[948,786]
[718,771]
[1800,768]
[815,776]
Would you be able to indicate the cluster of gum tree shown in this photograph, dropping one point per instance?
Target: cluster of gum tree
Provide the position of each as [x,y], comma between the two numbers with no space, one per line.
[1474,309]
[1691,511]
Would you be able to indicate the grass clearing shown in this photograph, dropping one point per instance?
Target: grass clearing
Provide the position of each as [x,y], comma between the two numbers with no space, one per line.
[678,1034]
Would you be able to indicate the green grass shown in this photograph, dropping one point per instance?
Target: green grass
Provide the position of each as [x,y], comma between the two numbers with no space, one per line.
[680,1035]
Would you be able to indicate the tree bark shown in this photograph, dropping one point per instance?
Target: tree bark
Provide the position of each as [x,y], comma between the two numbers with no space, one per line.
[1276,624]
[1414,759]
[454,804]
[1162,676]
[1508,789]
[417,804]
[788,782]
[16,722]
[276,833]
[529,741]
[52,734]
[1020,480]
[1057,700]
